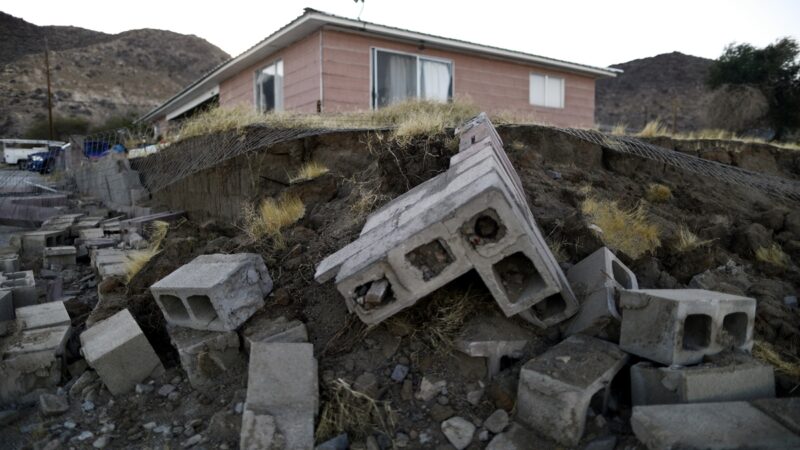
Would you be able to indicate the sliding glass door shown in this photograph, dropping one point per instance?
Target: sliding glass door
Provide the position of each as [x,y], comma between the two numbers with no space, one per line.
[401,76]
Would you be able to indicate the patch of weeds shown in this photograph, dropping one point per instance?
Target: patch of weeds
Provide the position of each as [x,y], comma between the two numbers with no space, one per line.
[627,230]
[139,258]
[271,217]
[658,193]
[347,410]
[686,240]
[787,364]
[308,172]
[773,255]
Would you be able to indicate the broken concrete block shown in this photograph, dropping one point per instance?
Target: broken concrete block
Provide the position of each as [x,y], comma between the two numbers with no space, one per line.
[206,355]
[282,383]
[214,292]
[23,373]
[52,405]
[6,306]
[22,286]
[709,425]
[680,326]
[52,314]
[595,280]
[742,377]
[63,256]
[263,329]
[9,262]
[493,338]
[120,353]
[555,388]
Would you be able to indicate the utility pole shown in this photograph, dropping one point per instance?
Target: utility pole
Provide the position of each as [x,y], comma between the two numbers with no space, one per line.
[49,93]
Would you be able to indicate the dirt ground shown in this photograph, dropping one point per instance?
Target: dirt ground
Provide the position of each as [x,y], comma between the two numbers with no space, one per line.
[558,174]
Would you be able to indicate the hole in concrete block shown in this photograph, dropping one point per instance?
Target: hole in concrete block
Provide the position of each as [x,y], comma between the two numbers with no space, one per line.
[735,325]
[50,241]
[507,362]
[549,307]
[374,294]
[621,275]
[518,276]
[696,331]
[14,283]
[202,308]
[483,228]
[173,307]
[14,275]
[431,258]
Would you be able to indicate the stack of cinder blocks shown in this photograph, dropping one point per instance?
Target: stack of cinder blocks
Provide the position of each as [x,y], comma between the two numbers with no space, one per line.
[474,216]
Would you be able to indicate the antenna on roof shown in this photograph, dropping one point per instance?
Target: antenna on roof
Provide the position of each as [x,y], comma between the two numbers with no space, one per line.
[362,9]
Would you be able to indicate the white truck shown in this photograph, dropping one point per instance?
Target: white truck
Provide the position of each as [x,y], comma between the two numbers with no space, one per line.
[17,151]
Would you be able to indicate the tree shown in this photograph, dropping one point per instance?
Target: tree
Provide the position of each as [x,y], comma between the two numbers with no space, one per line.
[774,70]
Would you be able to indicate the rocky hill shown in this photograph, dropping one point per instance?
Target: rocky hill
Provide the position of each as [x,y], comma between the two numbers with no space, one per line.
[658,87]
[95,76]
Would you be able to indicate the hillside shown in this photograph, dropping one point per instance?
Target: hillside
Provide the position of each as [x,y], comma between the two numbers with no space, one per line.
[656,88]
[94,75]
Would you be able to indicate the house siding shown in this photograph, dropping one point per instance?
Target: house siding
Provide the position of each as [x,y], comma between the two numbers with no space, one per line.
[301,71]
[496,86]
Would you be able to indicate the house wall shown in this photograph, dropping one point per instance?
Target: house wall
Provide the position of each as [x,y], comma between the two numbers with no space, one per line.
[301,78]
[496,86]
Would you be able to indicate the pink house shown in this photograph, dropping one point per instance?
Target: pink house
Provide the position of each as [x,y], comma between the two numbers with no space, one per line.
[321,63]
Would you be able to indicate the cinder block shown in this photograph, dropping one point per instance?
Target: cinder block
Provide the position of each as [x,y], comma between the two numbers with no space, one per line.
[680,326]
[61,222]
[52,339]
[46,315]
[138,224]
[214,292]
[109,262]
[91,233]
[596,280]
[263,329]
[9,262]
[62,256]
[22,286]
[34,242]
[120,353]
[282,383]
[740,378]
[85,223]
[728,425]
[493,338]
[206,355]
[23,373]
[555,388]
[6,305]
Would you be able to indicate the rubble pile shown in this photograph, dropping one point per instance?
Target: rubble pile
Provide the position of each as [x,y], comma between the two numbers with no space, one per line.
[553,355]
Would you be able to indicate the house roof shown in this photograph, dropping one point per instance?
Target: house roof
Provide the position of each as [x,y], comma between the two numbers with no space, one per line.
[311,20]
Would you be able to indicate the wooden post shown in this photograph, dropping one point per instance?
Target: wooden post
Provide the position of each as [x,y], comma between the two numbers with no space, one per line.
[49,93]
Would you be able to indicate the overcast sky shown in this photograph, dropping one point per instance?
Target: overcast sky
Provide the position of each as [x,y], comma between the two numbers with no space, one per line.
[599,33]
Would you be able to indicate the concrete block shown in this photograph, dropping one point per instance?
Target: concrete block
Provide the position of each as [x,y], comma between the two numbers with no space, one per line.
[138,224]
[263,329]
[9,262]
[555,388]
[206,355]
[91,233]
[22,286]
[6,306]
[119,352]
[109,262]
[681,326]
[729,425]
[60,222]
[493,338]
[282,383]
[52,339]
[46,315]
[214,292]
[259,432]
[63,256]
[24,373]
[596,280]
[85,223]
[785,411]
[740,378]
[34,242]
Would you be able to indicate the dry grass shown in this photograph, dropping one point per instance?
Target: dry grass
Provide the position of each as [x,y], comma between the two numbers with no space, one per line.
[139,258]
[787,364]
[658,193]
[656,128]
[620,129]
[627,230]
[773,255]
[271,217]
[358,414]
[308,172]
[687,240]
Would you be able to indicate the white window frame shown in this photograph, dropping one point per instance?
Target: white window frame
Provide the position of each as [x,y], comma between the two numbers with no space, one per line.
[547,78]
[373,69]
[278,105]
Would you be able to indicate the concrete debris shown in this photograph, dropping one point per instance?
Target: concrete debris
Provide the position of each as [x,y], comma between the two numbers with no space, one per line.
[597,280]
[120,353]
[137,224]
[46,315]
[34,242]
[22,286]
[280,329]
[458,431]
[430,388]
[9,262]
[493,338]
[52,405]
[741,377]
[555,388]
[109,262]
[214,292]
[260,432]
[497,421]
[474,216]
[206,355]
[672,326]
[282,384]
[699,425]
[63,256]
